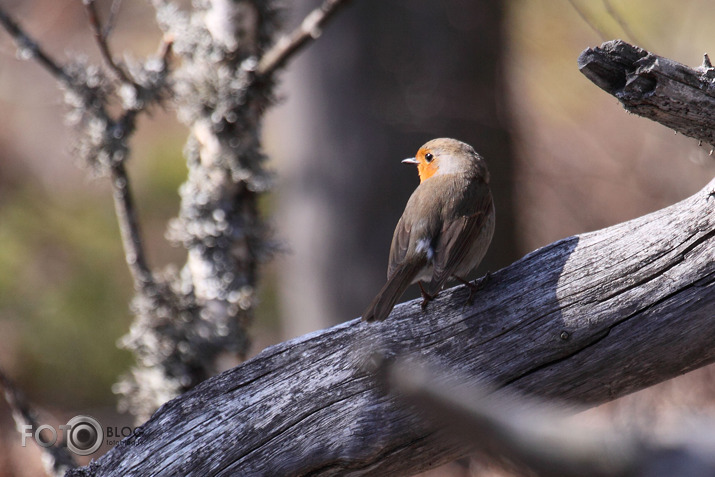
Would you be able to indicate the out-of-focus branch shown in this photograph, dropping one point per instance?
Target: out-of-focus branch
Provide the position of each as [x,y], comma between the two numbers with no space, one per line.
[129,228]
[111,19]
[309,29]
[165,49]
[101,38]
[509,430]
[106,150]
[538,438]
[621,21]
[103,144]
[28,48]
[219,222]
[57,460]
[188,324]
[584,16]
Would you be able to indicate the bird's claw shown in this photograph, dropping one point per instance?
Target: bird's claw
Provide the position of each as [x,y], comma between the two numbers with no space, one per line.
[426,297]
[474,287]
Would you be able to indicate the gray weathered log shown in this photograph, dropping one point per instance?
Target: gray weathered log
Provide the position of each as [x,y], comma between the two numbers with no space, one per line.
[586,319]
[654,87]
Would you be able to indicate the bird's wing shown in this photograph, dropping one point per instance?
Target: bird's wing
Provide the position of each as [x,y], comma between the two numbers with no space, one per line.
[396,285]
[400,246]
[404,266]
[414,235]
[406,260]
[456,239]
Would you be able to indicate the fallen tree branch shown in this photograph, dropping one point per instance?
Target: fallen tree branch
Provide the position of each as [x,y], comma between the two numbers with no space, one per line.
[654,87]
[584,320]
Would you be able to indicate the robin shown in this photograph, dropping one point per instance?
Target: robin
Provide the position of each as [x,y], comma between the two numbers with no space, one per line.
[446,227]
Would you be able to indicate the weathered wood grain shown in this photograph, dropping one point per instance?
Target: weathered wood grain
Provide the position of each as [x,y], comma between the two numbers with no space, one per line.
[586,319]
[654,87]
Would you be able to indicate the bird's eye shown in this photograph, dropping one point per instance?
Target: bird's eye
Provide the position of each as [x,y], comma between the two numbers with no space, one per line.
[429,157]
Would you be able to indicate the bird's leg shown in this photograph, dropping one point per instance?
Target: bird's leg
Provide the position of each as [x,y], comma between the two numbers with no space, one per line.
[426,297]
[473,287]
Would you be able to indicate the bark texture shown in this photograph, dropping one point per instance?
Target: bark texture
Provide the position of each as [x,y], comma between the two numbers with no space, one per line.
[586,319]
[654,87]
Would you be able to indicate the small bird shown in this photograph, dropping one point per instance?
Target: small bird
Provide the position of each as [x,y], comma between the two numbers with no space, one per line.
[446,227]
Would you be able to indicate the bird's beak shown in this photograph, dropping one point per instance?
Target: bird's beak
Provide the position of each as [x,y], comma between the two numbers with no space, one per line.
[410,160]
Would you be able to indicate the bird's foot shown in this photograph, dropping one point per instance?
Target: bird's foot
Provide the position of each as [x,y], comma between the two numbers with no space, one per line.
[426,297]
[473,287]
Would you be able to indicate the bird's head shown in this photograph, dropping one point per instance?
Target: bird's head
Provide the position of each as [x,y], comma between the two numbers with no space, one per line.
[448,156]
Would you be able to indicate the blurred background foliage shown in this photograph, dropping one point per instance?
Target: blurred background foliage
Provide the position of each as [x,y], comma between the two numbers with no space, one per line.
[384,78]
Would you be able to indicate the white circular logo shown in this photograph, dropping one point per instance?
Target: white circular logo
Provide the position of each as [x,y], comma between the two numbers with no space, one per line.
[85,435]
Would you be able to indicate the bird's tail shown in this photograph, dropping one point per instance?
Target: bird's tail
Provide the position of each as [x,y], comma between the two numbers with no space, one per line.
[386,300]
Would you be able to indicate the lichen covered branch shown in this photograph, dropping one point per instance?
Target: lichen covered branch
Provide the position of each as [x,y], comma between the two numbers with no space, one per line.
[191,323]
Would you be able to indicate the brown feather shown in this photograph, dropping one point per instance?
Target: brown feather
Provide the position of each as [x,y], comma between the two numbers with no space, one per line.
[396,285]
[458,236]
[411,228]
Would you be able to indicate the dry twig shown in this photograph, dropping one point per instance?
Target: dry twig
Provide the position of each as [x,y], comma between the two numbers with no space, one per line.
[28,48]
[100,36]
[57,458]
[309,30]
